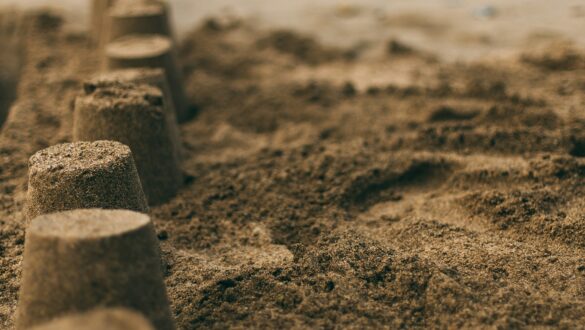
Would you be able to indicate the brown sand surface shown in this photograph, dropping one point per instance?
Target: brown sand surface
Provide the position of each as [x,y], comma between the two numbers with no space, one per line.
[354,187]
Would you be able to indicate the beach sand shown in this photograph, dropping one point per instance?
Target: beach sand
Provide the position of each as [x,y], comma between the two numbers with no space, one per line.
[421,174]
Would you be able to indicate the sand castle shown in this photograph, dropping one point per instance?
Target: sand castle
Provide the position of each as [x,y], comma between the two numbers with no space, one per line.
[100,319]
[133,115]
[113,20]
[150,51]
[136,17]
[146,76]
[78,260]
[86,248]
[71,176]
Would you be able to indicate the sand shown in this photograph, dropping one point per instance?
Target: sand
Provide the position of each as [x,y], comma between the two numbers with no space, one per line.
[10,63]
[100,319]
[454,29]
[134,115]
[150,51]
[70,176]
[80,260]
[346,186]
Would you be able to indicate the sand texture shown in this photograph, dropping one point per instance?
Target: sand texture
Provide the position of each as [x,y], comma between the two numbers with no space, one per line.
[371,186]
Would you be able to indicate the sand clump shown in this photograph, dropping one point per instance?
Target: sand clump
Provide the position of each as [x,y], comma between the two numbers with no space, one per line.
[79,260]
[99,174]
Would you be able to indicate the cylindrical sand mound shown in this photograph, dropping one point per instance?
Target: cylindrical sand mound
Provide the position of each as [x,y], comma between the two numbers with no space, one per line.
[79,260]
[141,76]
[100,319]
[133,115]
[81,175]
[150,51]
[136,17]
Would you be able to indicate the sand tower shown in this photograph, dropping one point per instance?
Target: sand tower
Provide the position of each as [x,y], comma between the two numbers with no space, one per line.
[136,17]
[146,76]
[133,115]
[76,261]
[150,51]
[69,176]
[100,319]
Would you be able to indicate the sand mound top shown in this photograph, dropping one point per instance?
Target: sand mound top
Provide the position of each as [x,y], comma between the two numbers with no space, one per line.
[138,46]
[70,176]
[100,319]
[80,156]
[86,224]
[117,96]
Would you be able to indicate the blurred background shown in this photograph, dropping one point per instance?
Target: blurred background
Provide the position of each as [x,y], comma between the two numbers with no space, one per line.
[453,29]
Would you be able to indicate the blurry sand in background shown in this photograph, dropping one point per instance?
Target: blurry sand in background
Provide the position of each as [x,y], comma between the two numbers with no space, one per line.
[453,29]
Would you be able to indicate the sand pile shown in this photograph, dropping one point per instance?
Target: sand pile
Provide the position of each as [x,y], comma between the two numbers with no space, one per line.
[77,260]
[83,175]
[135,115]
[447,196]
